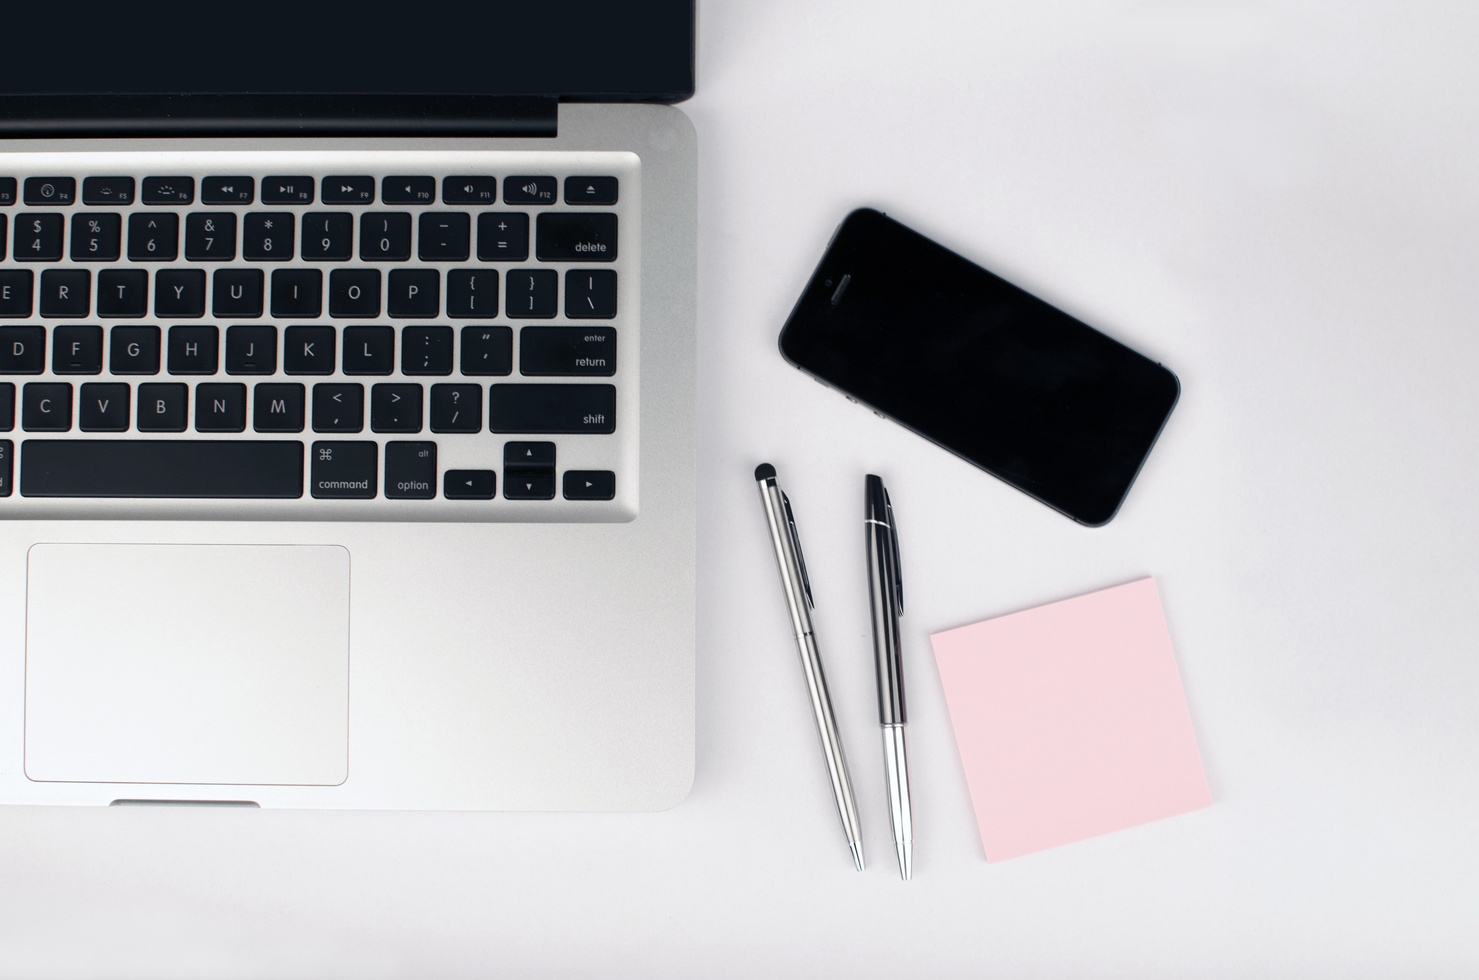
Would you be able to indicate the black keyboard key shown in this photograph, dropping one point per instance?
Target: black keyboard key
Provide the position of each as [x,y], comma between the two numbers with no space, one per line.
[531,293]
[15,292]
[108,191]
[344,470]
[395,408]
[414,293]
[369,350]
[220,408]
[153,237]
[308,350]
[426,350]
[162,407]
[469,190]
[529,455]
[410,470]
[487,351]
[469,484]
[161,468]
[7,191]
[103,407]
[267,236]
[553,409]
[297,293]
[472,293]
[38,237]
[529,190]
[193,350]
[228,190]
[97,236]
[590,485]
[529,485]
[133,350]
[338,408]
[210,236]
[77,350]
[590,294]
[328,236]
[123,292]
[287,190]
[7,452]
[66,292]
[354,292]
[590,190]
[22,350]
[385,236]
[567,351]
[503,236]
[179,292]
[349,190]
[251,350]
[444,236]
[571,236]
[456,408]
[50,192]
[46,406]
[4,234]
[236,293]
[168,190]
[7,406]
[277,408]
[408,190]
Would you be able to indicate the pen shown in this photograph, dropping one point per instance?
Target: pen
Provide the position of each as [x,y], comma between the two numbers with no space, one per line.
[798,597]
[886,596]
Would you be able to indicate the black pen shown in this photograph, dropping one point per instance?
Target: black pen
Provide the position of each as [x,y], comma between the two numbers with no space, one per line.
[886,596]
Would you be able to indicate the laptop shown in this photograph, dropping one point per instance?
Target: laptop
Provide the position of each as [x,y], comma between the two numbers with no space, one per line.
[347,407]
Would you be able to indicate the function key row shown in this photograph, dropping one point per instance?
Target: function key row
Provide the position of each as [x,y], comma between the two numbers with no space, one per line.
[327,236]
[546,409]
[243,294]
[464,189]
[306,350]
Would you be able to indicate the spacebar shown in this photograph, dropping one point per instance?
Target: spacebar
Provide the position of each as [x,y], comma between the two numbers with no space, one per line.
[160,468]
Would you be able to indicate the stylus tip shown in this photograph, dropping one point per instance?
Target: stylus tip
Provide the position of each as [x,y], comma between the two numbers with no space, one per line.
[764,472]
[857,854]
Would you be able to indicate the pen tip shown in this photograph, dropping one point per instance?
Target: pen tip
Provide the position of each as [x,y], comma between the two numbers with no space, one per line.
[906,861]
[764,472]
[857,854]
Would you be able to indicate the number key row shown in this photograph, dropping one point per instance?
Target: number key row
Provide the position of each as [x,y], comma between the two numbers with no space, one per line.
[269,236]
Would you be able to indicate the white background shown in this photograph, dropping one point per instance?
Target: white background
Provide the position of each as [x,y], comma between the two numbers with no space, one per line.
[1277,200]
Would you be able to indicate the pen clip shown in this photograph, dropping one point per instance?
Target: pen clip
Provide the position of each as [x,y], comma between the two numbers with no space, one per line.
[796,543]
[893,532]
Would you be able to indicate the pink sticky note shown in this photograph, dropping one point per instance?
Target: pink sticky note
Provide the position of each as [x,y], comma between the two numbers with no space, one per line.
[1071,720]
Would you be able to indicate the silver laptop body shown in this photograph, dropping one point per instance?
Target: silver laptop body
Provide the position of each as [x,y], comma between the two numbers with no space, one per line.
[499,650]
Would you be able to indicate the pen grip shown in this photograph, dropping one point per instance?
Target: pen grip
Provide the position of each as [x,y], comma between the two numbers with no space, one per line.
[887,649]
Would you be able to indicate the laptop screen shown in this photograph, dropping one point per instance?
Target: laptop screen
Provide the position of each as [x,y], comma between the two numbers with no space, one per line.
[575,49]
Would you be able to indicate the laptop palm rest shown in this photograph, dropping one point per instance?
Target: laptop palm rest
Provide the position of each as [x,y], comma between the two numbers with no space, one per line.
[187,664]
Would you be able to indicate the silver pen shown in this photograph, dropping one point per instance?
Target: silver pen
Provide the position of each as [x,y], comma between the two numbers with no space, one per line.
[886,596]
[798,597]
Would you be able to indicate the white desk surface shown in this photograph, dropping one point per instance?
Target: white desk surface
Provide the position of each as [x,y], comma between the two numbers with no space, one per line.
[1276,200]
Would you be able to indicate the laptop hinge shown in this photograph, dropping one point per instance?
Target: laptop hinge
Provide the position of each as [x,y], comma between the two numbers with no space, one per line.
[73,115]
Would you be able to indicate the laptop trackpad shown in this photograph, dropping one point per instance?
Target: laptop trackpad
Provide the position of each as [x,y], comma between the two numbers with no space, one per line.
[187,663]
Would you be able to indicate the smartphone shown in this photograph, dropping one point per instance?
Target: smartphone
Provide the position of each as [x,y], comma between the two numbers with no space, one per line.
[979,367]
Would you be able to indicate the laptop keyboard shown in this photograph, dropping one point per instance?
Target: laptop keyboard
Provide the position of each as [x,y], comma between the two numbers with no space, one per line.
[294,335]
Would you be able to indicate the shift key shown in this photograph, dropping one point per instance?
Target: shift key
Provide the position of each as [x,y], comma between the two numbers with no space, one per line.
[551,408]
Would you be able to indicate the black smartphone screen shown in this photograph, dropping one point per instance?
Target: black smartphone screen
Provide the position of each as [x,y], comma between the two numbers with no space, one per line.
[979,366]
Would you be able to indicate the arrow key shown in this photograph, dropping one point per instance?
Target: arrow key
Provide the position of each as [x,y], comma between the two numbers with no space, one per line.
[469,484]
[590,485]
[529,484]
